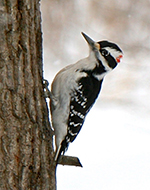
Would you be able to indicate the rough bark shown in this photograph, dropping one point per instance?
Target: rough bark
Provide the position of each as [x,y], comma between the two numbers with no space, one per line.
[26,150]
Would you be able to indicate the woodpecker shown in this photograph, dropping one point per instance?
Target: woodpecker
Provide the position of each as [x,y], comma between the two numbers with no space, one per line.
[75,89]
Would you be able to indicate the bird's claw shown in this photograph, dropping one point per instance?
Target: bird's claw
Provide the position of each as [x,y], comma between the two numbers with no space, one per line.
[46,89]
[45,83]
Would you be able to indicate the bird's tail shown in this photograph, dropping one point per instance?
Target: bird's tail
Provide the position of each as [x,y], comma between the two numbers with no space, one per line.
[61,150]
[57,154]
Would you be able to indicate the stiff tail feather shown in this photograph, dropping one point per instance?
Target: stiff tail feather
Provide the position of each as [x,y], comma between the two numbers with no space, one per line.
[61,150]
[57,154]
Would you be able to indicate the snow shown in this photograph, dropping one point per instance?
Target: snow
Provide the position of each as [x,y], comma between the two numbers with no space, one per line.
[113,147]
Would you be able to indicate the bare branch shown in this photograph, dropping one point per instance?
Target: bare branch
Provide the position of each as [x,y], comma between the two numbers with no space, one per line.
[70,161]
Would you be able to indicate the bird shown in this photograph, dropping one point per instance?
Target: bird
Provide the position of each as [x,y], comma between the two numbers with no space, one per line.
[75,89]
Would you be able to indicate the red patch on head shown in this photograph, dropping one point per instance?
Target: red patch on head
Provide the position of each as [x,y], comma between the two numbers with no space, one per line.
[118,58]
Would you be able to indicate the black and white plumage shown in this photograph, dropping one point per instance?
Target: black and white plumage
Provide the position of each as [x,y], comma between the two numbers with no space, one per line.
[75,89]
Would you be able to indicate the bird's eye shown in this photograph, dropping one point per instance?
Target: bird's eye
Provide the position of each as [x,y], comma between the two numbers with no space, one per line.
[104,52]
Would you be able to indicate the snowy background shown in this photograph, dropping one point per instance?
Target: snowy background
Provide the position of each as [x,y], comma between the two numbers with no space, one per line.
[113,145]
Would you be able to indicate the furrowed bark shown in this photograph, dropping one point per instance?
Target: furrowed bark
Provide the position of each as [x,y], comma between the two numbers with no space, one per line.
[26,152]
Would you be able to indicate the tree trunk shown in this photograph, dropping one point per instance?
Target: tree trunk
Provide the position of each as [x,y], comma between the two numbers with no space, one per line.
[26,150]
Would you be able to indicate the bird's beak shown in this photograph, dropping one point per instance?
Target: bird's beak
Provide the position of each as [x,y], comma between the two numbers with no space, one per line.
[91,42]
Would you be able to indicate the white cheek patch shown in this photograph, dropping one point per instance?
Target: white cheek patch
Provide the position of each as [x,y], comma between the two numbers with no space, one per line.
[105,63]
[114,53]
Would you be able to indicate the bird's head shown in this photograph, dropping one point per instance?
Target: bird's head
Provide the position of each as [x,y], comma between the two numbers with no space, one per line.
[106,53]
